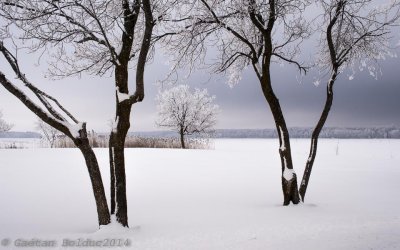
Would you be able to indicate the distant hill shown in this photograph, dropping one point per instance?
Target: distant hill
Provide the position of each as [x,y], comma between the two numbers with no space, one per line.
[19,135]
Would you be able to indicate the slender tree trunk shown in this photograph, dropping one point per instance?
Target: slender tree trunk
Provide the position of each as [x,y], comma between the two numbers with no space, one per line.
[118,179]
[120,185]
[289,177]
[315,136]
[96,180]
[182,138]
[112,172]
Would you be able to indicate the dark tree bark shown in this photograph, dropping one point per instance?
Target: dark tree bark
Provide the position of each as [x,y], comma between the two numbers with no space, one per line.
[182,136]
[112,173]
[289,179]
[95,177]
[117,164]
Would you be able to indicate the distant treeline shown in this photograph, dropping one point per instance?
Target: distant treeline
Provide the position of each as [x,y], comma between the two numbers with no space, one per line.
[331,132]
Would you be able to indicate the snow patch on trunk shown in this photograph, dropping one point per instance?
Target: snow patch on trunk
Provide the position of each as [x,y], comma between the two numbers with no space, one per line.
[114,125]
[115,180]
[283,146]
[288,174]
[122,96]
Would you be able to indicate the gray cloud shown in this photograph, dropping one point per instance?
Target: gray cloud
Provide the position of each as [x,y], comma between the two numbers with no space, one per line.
[363,101]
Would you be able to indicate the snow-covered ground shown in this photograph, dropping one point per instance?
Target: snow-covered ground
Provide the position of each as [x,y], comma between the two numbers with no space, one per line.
[227,198]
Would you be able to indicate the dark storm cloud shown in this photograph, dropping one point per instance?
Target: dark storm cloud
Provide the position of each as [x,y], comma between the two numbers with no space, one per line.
[363,101]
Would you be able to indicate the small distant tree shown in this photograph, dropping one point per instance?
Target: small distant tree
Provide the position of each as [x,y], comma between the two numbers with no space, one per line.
[187,112]
[49,133]
[4,126]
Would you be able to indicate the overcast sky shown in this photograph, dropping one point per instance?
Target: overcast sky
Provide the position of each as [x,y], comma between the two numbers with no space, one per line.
[361,102]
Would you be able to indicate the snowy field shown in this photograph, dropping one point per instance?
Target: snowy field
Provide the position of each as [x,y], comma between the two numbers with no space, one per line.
[227,198]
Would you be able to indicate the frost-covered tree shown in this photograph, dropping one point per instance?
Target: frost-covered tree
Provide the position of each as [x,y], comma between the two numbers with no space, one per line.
[253,33]
[186,112]
[50,110]
[4,126]
[355,36]
[49,133]
[257,33]
[95,37]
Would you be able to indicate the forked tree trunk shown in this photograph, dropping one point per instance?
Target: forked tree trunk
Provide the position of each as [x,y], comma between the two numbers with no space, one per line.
[119,205]
[315,136]
[123,107]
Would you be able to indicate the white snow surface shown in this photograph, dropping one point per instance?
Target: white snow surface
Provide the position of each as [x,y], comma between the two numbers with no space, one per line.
[227,198]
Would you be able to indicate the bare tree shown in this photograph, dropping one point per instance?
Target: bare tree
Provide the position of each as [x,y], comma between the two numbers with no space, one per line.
[251,32]
[49,133]
[4,126]
[357,35]
[95,37]
[63,121]
[186,112]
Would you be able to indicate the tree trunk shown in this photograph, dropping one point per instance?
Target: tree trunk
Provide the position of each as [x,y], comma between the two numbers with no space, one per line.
[96,180]
[118,179]
[112,173]
[289,177]
[123,107]
[119,205]
[315,136]
[182,138]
